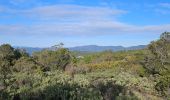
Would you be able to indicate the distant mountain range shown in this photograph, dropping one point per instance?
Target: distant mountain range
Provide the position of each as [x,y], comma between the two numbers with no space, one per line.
[88,48]
[95,48]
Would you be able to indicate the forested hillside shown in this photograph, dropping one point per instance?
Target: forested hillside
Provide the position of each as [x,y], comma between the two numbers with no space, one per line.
[61,75]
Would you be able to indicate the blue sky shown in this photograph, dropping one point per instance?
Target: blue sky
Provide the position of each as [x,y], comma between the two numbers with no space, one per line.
[43,23]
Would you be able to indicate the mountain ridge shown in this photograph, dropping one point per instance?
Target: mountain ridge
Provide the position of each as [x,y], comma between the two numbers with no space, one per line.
[96,48]
[87,48]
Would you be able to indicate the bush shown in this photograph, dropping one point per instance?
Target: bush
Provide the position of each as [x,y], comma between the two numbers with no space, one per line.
[53,60]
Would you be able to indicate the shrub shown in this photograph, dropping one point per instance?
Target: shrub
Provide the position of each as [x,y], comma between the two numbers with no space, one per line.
[52,60]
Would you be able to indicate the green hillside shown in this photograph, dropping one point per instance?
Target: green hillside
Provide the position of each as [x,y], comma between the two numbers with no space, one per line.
[64,75]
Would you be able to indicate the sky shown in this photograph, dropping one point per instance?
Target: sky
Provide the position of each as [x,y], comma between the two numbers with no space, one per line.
[44,23]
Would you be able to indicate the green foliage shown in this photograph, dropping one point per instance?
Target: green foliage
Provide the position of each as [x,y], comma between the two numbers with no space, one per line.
[158,58]
[7,52]
[8,56]
[21,53]
[58,75]
[163,85]
[157,61]
[26,64]
[52,60]
[129,61]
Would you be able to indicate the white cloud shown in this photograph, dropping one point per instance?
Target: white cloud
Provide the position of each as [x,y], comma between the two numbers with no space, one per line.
[79,29]
[165,5]
[58,20]
[71,12]
[162,11]
[65,13]
[162,8]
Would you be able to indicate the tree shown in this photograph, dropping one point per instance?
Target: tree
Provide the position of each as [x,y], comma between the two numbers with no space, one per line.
[58,46]
[158,56]
[58,59]
[21,53]
[7,52]
[7,56]
[4,73]
[26,65]
[157,61]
